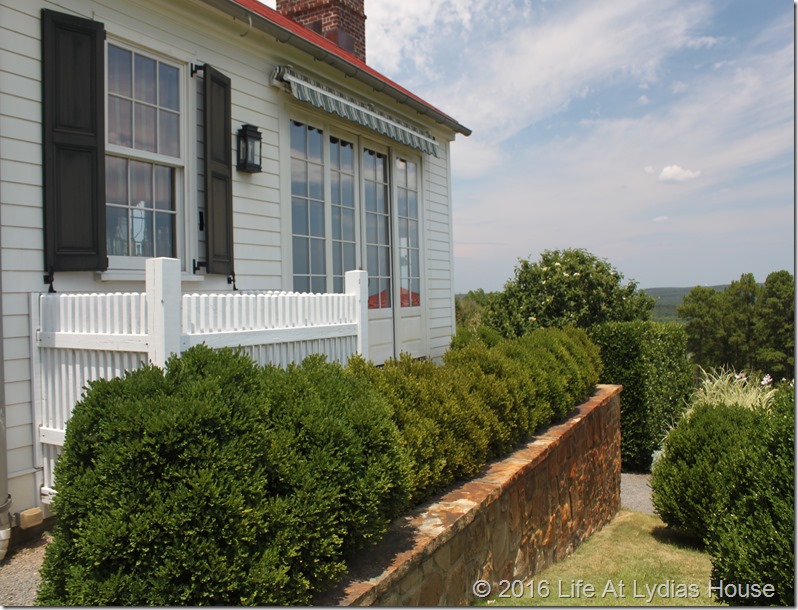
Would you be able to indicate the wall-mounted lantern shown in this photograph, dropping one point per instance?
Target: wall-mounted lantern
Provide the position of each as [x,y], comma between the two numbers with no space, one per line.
[249,149]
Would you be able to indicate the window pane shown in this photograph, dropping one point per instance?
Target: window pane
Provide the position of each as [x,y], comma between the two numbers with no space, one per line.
[301,258]
[415,267]
[382,230]
[120,121]
[371,197]
[373,261]
[336,222]
[401,172]
[119,71]
[385,267]
[347,157]
[402,233]
[382,200]
[335,188]
[301,284]
[168,90]
[164,234]
[116,181]
[116,231]
[347,191]
[145,130]
[140,232]
[371,229]
[381,175]
[348,224]
[140,184]
[169,133]
[385,293]
[412,231]
[349,257]
[338,285]
[299,178]
[412,204]
[411,175]
[298,137]
[338,268]
[369,165]
[314,144]
[318,285]
[164,188]
[317,265]
[415,293]
[402,201]
[299,216]
[144,79]
[317,219]
[316,181]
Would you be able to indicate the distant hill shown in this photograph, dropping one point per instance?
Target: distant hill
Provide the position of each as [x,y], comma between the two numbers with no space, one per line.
[668,299]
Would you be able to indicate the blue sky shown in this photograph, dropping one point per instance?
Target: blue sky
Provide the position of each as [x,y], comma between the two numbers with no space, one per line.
[658,135]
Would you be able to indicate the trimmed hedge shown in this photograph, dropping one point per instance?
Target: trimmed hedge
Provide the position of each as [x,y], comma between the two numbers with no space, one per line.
[218,483]
[753,539]
[483,400]
[726,477]
[650,360]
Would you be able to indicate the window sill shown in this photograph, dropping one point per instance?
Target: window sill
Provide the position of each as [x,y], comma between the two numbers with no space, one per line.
[139,276]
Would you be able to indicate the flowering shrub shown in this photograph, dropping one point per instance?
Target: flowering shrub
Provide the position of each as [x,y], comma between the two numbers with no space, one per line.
[566,288]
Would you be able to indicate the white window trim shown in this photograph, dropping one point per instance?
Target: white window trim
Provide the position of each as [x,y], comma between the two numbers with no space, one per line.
[361,138]
[131,268]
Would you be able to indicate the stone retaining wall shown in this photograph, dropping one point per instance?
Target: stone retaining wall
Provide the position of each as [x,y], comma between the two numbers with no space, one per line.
[524,513]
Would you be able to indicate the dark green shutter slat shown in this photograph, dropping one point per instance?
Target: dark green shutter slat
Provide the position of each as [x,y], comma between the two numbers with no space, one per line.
[218,171]
[73,77]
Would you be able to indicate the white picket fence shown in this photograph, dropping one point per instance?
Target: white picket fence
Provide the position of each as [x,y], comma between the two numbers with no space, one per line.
[78,338]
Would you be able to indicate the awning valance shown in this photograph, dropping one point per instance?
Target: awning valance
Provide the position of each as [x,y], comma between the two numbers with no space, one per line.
[313,92]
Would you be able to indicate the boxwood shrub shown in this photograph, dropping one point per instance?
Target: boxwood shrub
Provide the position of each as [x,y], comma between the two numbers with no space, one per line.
[726,477]
[752,539]
[650,360]
[218,483]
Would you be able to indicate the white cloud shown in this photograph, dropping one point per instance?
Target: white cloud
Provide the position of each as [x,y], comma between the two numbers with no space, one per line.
[661,218]
[643,100]
[676,173]
[649,169]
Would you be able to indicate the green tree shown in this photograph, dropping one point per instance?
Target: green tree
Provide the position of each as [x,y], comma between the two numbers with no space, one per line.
[565,288]
[774,325]
[738,322]
[701,309]
[745,327]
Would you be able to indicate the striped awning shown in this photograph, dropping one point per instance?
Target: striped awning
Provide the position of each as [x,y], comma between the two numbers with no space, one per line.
[313,92]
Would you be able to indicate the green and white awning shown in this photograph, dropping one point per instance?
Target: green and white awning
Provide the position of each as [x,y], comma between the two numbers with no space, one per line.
[313,92]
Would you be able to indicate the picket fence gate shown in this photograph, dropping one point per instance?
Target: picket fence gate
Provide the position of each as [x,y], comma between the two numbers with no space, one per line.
[79,338]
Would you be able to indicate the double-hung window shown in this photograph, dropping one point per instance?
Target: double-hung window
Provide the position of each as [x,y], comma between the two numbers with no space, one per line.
[144,161]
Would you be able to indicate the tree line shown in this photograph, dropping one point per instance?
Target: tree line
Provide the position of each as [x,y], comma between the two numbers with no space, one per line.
[747,326]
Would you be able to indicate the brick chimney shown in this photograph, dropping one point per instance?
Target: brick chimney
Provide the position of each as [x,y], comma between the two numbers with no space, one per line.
[340,21]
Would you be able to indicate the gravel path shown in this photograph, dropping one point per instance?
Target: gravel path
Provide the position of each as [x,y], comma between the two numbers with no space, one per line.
[19,571]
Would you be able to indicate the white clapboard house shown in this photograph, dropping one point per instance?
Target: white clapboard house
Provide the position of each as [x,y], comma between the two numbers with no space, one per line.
[174,172]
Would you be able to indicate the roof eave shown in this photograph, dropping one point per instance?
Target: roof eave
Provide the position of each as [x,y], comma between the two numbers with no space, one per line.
[282,34]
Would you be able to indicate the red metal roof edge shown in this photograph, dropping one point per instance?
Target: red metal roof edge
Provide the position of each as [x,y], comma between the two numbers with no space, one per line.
[320,41]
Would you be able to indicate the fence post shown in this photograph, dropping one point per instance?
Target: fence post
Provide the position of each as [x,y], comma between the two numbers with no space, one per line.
[164,324]
[357,283]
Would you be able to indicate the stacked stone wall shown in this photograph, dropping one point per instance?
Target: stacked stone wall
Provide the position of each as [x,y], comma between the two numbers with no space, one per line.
[524,513]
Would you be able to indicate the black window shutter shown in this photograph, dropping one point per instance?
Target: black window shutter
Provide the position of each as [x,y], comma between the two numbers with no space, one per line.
[73,77]
[218,172]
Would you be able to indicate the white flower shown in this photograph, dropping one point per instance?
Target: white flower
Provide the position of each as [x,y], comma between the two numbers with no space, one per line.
[576,274]
[556,264]
[767,380]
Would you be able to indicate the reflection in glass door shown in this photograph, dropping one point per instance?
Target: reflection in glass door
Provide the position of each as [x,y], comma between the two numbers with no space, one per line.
[378,228]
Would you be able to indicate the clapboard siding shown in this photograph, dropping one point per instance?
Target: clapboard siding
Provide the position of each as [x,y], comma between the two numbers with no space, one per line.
[186,32]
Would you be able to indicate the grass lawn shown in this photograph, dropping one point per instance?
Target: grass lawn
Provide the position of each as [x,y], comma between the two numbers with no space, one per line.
[634,561]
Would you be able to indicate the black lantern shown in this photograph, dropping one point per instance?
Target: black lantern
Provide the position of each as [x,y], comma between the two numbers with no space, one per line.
[249,149]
